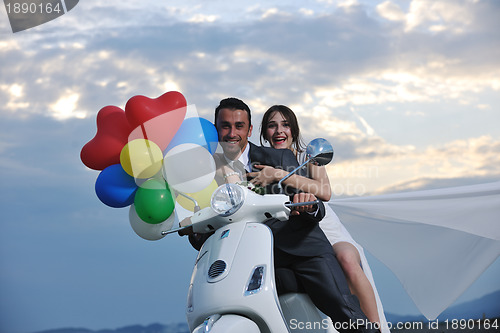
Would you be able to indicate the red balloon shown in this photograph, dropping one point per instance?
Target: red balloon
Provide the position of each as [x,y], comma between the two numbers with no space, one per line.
[112,134]
[156,119]
[140,109]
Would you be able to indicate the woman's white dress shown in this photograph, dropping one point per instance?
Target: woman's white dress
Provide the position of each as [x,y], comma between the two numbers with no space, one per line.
[336,232]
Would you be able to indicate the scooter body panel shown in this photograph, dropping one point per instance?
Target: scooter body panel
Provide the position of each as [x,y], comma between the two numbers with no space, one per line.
[233,282]
[236,251]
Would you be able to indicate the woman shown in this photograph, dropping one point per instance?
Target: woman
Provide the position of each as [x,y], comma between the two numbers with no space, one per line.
[280,128]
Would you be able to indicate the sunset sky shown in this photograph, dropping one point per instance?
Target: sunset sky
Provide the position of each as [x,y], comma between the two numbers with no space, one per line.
[406,91]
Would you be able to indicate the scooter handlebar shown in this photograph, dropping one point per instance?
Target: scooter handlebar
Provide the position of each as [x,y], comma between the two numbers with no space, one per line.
[292,204]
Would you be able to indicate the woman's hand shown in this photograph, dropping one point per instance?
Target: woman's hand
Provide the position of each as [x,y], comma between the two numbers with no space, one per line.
[267,175]
[229,175]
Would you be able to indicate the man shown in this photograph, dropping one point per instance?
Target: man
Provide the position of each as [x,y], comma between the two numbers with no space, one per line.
[299,244]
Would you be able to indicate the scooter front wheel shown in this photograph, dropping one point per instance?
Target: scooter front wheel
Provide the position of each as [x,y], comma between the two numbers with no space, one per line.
[227,323]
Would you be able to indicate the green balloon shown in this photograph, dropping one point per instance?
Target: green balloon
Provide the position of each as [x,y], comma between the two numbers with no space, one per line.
[153,201]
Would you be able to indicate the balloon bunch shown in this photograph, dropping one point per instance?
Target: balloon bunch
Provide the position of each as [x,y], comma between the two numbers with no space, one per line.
[147,154]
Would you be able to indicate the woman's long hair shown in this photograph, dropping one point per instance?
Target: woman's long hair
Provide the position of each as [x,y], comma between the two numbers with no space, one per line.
[289,115]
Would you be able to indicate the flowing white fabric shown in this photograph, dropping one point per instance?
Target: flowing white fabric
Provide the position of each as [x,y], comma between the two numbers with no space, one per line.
[437,242]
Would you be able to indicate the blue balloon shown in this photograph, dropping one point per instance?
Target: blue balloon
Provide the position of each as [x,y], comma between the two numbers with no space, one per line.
[114,187]
[198,131]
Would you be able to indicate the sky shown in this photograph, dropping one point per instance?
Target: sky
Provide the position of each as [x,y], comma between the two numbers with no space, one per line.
[406,91]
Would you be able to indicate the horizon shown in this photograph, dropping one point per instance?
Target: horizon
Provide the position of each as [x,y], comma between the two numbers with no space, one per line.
[396,318]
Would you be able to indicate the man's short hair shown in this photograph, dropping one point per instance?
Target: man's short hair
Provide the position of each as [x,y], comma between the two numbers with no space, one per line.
[233,103]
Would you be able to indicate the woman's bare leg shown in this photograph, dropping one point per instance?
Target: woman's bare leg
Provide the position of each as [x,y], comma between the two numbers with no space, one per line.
[348,257]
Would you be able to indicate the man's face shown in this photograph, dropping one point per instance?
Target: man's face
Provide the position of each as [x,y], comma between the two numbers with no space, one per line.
[234,129]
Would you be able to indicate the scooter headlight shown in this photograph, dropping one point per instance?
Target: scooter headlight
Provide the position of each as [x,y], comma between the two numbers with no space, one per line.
[227,199]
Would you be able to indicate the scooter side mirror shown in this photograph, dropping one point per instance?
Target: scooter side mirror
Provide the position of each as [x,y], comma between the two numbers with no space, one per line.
[319,151]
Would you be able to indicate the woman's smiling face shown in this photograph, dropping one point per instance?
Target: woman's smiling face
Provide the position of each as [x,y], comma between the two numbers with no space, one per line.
[278,131]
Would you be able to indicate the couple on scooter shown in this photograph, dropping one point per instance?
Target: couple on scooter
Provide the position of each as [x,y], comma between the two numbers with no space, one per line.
[300,244]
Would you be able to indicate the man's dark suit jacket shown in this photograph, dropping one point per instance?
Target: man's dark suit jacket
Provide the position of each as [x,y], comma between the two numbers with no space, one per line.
[301,234]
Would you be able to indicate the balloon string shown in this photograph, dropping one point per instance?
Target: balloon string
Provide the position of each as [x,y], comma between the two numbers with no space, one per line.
[145,136]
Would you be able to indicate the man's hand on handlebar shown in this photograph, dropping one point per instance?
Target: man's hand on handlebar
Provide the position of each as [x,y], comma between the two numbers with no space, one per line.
[303,197]
[184,223]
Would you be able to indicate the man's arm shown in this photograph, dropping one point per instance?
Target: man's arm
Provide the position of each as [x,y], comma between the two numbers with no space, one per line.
[197,240]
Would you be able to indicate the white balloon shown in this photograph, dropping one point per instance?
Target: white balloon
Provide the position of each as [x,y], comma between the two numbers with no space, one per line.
[188,168]
[146,230]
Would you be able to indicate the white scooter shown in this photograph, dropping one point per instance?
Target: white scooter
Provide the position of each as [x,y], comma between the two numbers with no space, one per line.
[233,287]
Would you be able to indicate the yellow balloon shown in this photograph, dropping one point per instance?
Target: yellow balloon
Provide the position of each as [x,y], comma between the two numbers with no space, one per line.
[141,158]
[202,197]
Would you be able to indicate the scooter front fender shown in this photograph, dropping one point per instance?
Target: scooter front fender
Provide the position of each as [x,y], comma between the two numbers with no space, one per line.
[227,323]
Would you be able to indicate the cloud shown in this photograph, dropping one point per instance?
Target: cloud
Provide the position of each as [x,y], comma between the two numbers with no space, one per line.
[66,106]
[390,11]
[459,162]
[335,68]
[341,47]
[452,17]
[199,18]
[439,16]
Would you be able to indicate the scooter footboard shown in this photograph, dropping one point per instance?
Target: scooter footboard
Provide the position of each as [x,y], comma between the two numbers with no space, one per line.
[227,323]
[302,316]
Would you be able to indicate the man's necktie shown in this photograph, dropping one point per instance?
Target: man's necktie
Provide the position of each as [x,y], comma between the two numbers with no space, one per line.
[240,168]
